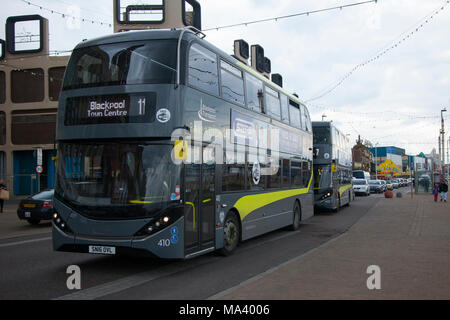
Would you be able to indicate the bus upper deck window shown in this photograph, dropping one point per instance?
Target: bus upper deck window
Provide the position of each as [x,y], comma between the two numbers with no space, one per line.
[232,83]
[254,90]
[273,103]
[203,72]
[294,114]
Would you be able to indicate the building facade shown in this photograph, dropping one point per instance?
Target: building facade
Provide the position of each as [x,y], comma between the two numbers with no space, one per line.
[394,154]
[361,156]
[30,82]
[31,79]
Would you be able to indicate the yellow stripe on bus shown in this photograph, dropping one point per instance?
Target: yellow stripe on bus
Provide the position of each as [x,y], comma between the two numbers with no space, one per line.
[248,204]
[343,188]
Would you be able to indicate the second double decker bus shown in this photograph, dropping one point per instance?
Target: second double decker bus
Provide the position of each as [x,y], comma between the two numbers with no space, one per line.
[156,153]
[332,167]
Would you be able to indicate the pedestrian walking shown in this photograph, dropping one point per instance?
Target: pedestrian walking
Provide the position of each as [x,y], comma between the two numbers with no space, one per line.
[443,189]
[436,192]
[4,194]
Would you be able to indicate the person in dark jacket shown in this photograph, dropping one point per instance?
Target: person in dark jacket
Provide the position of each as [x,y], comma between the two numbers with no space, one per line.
[2,186]
[443,189]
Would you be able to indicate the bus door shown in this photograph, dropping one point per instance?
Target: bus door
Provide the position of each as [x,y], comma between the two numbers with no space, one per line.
[199,200]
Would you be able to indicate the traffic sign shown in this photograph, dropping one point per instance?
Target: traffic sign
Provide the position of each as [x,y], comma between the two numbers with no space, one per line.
[39,169]
[39,156]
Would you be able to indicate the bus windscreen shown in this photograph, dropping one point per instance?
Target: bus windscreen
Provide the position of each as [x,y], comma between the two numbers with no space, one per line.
[134,62]
[322,176]
[117,180]
[321,135]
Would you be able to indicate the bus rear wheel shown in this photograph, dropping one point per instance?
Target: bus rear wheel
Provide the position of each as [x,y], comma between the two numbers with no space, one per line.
[297,217]
[349,199]
[231,234]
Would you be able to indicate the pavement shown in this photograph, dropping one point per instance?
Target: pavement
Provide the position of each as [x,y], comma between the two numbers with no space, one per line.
[407,239]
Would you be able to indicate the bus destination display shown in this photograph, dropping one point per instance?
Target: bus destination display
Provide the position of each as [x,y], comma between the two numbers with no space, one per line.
[119,108]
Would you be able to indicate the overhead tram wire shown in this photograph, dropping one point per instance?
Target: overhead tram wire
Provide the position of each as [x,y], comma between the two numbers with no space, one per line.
[382,52]
[306,13]
[65,15]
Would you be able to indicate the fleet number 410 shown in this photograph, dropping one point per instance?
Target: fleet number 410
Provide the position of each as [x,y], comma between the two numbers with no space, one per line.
[164,243]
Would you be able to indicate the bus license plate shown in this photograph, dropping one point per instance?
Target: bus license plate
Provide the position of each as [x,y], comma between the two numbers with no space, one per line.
[27,214]
[102,250]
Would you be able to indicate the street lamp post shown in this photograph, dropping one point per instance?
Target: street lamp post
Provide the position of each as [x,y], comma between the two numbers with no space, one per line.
[376,166]
[443,142]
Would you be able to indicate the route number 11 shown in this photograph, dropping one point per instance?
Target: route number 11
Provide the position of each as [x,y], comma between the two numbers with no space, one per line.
[141,103]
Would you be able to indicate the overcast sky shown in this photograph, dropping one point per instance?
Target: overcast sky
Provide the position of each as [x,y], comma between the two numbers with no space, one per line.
[393,100]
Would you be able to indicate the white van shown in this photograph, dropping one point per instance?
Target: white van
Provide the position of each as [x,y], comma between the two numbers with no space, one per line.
[361,187]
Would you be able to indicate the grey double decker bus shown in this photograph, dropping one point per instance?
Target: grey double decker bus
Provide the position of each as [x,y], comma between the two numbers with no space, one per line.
[332,167]
[163,149]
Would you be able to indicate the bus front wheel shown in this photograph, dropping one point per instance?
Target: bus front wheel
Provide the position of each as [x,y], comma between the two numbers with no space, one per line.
[231,234]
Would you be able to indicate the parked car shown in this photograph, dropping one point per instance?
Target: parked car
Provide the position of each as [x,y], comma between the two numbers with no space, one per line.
[395,183]
[389,185]
[384,184]
[36,208]
[375,186]
[361,187]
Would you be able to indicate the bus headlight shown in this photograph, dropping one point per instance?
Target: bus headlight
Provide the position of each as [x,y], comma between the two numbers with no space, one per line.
[162,220]
[326,195]
[60,223]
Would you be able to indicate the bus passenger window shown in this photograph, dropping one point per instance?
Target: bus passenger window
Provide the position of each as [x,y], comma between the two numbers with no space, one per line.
[307,118]
[296,173]
[203,72]
[254,90]
[284,109]
[232,83]
[306,173]
[273,181]
[273,103]
[294,114]
[285,179]
[255,180]
[233,178]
